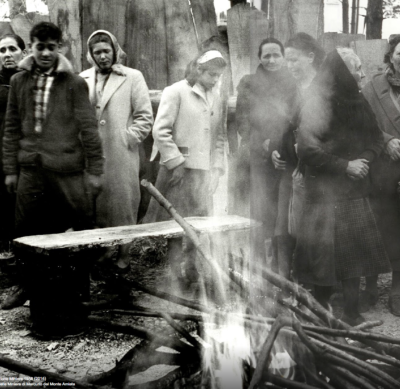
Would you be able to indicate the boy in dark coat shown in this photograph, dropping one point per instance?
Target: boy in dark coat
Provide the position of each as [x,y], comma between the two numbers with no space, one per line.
[50,138]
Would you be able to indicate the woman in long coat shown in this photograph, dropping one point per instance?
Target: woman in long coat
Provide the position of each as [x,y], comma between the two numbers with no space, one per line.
[188,136]
[383,93]
[263,113]
[121,98]
[338,139]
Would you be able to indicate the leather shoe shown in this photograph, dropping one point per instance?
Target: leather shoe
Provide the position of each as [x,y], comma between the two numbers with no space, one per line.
[16,297]
[353,321]
[394,304]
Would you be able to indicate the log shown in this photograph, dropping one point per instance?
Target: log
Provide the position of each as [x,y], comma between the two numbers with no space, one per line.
[66,15]
[99,15]
[368,325]
[147,41]
[286,383]
[343,378]
[148,313]
[31,371]
[182,44]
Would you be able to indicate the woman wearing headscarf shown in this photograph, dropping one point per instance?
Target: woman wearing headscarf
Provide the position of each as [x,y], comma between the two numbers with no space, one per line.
[121,98]
[383,93]
[263,114]
[12,51]
[188,136]
[338,139]
[304,56]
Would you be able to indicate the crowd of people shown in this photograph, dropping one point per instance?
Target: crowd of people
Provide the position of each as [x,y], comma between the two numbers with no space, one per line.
[317,164]
[321,155]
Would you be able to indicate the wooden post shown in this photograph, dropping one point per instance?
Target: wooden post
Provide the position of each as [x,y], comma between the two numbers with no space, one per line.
[146,41]
[182,44]
[66,15]
[205,19]
[103,15]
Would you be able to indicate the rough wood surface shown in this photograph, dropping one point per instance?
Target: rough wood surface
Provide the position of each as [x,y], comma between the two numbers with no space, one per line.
[5,28]
[104,15]
[205,19]
[371,53]
[146,41]
[66,15]
[182,45]
[331,40]
[79,240]
[283,26]
[22,24]
[247,27]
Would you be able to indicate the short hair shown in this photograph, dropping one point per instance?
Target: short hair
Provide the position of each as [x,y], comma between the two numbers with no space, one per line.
[307,44]
[270,40]
[348,55]
[17,38]
[192,68]
[45,30]
[392,47]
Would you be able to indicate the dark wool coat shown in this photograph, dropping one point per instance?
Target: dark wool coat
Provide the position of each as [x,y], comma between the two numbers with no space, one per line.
[69,141]
[337,125]
[385,174]
[264,111]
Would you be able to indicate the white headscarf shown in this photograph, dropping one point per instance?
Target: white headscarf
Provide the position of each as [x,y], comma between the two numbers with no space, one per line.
[119,54]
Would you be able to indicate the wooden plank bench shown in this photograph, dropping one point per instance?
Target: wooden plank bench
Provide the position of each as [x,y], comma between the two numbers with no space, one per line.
[58,265]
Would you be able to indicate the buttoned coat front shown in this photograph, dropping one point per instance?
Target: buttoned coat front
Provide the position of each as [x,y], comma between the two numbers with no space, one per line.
[125,118]
[188,128]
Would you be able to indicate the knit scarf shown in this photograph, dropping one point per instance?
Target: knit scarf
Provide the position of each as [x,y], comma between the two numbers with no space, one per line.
[392,79]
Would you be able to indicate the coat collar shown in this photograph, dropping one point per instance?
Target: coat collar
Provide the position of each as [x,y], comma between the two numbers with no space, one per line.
[114,82]
[382,89]
[207,96]
[63,65]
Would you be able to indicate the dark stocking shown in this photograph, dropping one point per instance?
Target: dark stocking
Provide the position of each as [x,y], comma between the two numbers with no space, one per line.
[350,297]
[322,294]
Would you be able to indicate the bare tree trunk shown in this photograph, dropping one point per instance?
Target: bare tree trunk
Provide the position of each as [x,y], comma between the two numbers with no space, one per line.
[353,17]
[374,19]
[16,7]
[345,18]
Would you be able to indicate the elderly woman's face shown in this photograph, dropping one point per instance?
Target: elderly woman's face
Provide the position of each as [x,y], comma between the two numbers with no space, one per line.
[353,63]
[271,57]
[10,53]
[299,63]
[395,60]
[103,54]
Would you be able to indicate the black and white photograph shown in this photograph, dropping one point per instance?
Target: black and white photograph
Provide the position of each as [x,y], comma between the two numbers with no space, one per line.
[200,194]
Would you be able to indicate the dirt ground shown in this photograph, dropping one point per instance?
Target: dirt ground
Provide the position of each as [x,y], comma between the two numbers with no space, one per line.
[97,350]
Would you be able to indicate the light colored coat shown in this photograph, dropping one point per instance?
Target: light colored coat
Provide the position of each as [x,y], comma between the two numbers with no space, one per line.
[125,118]
[189,128]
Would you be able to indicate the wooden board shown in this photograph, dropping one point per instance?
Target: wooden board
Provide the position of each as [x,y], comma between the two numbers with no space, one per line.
[205,19]
[66,15]
[146,41]
[72,242]
[247,27]
[371,53]
[104,15]
[182,45]
[332,40]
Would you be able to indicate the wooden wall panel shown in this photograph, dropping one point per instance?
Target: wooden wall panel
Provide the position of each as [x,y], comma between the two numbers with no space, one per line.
[104,15]
[182,45]
[66,15]
[146,41]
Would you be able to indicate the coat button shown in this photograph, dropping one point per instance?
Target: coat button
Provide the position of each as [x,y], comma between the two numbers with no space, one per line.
[102,122]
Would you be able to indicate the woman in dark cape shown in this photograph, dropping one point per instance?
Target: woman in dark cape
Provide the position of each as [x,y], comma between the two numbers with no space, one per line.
[338,139]
[263,114]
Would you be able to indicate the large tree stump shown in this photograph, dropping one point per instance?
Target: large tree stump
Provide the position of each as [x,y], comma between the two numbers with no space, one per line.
[182,44]
[66,15]
[293,16]
[146,41]
[104,15]
[247,27]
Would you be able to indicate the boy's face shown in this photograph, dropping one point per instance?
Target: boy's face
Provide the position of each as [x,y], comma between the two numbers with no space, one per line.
[45,53]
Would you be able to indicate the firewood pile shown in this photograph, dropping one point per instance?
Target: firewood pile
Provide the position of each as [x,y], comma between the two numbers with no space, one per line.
[298,344]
